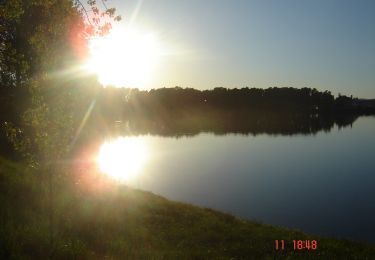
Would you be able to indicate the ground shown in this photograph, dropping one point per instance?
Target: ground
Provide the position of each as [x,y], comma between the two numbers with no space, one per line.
[118,222]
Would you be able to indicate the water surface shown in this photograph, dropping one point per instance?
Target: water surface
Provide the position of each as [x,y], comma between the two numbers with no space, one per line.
[321,183]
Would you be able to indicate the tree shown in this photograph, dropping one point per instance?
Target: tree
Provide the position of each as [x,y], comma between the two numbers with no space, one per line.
[41,41]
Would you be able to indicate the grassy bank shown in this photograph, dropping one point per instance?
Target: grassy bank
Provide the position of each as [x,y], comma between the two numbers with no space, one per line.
[117,222]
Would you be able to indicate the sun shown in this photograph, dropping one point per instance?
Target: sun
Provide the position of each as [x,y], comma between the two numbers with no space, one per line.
[127,57]
[122,158]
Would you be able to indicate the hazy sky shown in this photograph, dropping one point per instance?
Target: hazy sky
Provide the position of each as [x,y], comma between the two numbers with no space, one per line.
[326,44]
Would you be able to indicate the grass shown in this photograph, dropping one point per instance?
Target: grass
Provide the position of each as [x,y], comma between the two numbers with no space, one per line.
[98,222]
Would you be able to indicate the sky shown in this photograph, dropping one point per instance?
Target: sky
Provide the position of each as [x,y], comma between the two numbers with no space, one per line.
[323,44]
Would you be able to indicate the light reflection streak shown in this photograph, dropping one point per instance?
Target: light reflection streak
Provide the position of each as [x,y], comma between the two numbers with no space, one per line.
[123,158]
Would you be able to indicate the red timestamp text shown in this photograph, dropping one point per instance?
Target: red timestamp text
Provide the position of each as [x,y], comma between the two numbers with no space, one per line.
[297,244]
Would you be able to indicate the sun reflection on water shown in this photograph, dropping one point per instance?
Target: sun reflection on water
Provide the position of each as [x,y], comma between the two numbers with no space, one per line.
[123,158]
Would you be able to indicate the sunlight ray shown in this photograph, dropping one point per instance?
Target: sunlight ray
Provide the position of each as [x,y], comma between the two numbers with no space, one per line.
[136,11]
[83,123]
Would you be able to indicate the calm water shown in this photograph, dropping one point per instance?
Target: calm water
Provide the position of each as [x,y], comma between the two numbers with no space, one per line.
[321,184]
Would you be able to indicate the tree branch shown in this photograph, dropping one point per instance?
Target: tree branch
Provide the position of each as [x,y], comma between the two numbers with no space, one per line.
[85,11]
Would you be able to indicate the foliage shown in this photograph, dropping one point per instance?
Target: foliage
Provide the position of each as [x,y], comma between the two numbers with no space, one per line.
[43,43]
[100,22]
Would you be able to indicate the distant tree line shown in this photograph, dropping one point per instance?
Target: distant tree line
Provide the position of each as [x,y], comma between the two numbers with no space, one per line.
[179,112]
[168,102]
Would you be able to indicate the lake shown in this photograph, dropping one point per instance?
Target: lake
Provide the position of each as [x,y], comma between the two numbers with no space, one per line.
[321,183]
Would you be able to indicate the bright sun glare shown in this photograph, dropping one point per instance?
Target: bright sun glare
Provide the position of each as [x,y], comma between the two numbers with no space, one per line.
[124,58]
[123,158]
